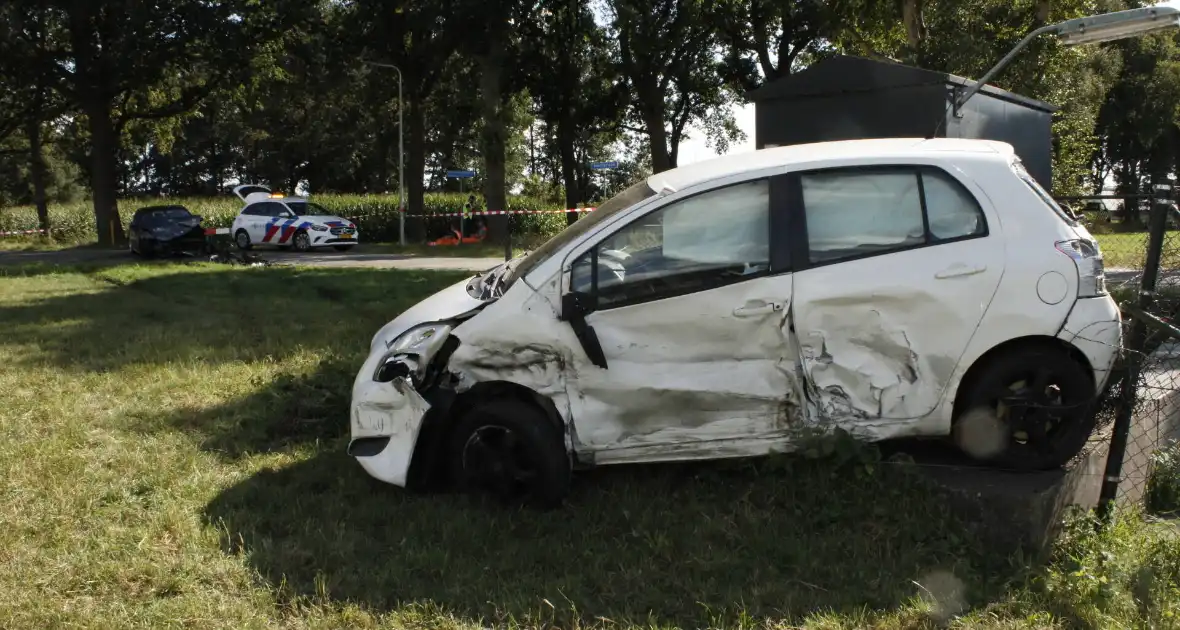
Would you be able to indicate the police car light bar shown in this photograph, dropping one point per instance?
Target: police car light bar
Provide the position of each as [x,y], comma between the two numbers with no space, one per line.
[276,195]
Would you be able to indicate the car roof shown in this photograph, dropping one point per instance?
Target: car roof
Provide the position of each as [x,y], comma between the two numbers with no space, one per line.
[280,200]
[803,154]
[161,207]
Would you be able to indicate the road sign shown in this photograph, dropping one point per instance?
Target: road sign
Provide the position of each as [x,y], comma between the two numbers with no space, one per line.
[598,166]
[460,174]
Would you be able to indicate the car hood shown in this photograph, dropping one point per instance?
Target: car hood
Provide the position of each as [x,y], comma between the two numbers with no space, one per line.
[330,221]
[173,229]
[448,303]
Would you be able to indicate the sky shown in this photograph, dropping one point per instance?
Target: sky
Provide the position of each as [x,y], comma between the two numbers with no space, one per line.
[695,149]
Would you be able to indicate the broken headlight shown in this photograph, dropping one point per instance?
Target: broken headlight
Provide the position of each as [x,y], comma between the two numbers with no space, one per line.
[410,353]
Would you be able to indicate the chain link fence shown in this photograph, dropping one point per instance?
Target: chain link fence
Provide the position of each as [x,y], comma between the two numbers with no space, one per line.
[1139,413]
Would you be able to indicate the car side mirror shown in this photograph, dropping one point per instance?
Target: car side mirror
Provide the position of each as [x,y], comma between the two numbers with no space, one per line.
[575,305]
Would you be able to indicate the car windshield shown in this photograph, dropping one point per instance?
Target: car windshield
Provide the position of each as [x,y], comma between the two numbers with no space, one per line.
[306,208]
[165,214]
[629,197]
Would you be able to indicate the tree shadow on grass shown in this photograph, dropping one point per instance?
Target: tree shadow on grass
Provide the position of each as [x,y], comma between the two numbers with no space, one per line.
[666,544]
[290,410]
[106,318]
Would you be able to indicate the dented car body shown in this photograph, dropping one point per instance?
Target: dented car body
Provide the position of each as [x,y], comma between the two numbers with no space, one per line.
[719,309]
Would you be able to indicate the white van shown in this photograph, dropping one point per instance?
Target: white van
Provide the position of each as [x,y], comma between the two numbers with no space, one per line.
[891,288]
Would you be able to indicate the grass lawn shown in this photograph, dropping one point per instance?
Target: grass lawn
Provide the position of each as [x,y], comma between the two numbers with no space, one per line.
[172,455]
[1123,250]
[39,244]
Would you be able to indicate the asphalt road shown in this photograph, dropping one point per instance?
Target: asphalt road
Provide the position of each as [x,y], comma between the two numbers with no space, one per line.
[313,259]
[331,258]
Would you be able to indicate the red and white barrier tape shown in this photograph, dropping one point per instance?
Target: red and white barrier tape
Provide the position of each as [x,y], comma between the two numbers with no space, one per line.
[24,232]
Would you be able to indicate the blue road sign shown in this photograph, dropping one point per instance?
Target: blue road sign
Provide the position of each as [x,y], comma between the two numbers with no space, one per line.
[598,166]
[460,174]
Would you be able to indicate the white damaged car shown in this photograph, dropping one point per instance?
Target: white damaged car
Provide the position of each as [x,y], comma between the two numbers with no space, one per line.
[891,288]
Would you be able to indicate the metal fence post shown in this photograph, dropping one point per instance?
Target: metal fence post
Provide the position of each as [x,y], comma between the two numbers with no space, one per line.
[1136,341]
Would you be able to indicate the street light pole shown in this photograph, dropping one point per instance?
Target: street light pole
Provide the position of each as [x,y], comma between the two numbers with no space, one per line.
[401,156]
[1092,29]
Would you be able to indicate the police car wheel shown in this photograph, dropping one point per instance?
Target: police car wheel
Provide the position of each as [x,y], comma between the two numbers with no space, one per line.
[302,242]
[242,238]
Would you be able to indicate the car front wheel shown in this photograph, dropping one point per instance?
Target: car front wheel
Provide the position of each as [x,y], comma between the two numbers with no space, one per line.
[1028,409]
[242,239]
[302,242]
[511,451]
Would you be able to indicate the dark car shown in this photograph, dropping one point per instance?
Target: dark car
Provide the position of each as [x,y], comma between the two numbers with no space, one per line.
[165,230]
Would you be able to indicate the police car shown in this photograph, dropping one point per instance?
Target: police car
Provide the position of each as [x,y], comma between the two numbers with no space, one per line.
[277,220]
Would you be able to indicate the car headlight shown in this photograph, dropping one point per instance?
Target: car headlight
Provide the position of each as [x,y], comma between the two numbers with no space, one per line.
[420,343]
[320,228]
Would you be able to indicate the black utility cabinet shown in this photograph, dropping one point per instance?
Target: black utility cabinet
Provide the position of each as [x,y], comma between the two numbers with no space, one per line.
[848,98]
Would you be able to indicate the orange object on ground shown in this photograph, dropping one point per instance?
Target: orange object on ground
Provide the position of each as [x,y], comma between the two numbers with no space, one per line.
[451,240]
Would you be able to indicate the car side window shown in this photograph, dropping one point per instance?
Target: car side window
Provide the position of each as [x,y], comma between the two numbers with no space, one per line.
[701,242]
[951,209]
[857,213]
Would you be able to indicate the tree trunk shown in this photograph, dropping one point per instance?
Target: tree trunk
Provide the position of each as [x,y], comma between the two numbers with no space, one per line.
[96,104]
[104,178]
[491,88]
[416,170]
[911,15]
[37,169]
[569,166]
[653,119]
[651,104]
[1044,8]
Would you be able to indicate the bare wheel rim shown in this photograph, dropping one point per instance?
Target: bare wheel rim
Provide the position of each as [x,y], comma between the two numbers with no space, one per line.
[494,460]
[1035,409]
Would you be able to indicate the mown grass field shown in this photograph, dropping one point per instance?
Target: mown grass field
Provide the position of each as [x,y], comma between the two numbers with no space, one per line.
[172,455]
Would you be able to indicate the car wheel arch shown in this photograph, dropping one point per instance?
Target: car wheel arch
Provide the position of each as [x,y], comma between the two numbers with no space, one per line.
[1019,343]
[428,464]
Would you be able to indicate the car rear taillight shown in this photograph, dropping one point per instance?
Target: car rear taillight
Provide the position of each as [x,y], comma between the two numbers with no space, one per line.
[1088,259]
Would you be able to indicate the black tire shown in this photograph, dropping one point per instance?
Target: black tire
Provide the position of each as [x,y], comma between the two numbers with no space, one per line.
[343,248]
[537,467]
[1047,415]
[242,240]
[301,242]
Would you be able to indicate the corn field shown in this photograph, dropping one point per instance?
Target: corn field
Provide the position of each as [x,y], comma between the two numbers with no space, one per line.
[375,215]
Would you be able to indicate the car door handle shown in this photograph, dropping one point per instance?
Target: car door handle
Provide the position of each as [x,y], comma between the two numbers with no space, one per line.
[754,308]
[960,270]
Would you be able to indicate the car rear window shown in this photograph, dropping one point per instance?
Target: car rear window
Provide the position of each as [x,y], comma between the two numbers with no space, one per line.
[1046,198]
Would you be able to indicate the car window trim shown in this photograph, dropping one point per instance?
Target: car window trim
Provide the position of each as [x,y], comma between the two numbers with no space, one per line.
[779,249]
[800,238]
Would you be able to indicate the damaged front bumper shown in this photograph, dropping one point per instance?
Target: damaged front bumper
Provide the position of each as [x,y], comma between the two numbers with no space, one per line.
[386,418]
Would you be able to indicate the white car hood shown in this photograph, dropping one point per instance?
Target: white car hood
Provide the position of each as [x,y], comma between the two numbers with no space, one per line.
[322,220]
[446,304]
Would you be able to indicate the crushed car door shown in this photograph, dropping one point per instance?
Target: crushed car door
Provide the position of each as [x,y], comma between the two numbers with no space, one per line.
[895,268]
[684,312]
